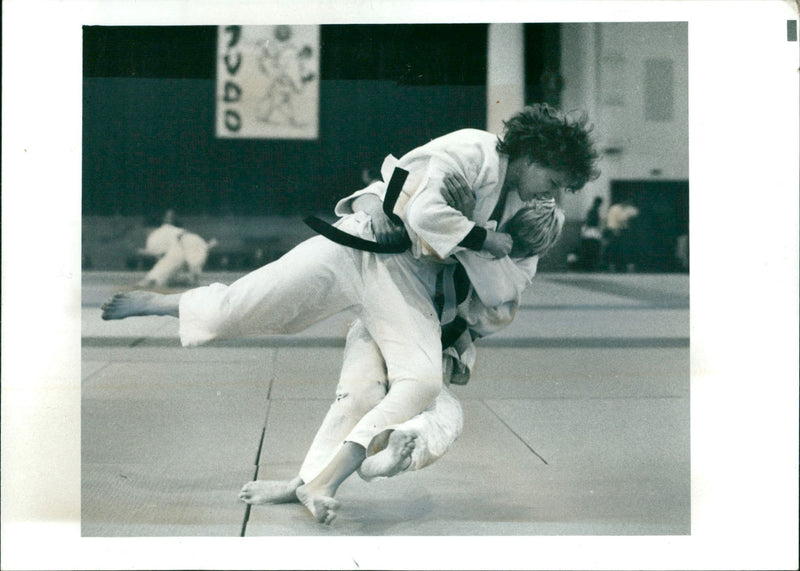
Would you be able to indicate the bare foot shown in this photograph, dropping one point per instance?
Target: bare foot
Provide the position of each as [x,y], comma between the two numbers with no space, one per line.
[127,304]
[392,460]
[139,303]
[322,507]
[270,491]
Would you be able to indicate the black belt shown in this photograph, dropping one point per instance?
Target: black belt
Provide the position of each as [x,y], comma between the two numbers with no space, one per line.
[450,331]
[334,234]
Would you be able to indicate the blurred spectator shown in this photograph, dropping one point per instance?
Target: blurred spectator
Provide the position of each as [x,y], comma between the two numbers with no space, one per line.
[177,250]
[618,237]
[591,238]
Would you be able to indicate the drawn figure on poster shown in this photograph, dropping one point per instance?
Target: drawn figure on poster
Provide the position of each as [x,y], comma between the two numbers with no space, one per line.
[285,67]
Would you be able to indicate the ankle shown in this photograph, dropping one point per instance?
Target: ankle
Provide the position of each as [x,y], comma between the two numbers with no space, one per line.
[166,304]
[312,489]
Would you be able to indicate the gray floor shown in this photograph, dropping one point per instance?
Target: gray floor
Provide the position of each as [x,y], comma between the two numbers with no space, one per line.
[577,423]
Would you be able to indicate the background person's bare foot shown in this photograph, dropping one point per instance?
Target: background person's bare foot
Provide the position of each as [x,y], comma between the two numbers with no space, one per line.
[392,460]
[322,507]
[261,492]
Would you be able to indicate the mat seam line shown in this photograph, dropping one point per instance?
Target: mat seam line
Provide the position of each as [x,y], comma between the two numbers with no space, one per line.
[272,377]
[504,423]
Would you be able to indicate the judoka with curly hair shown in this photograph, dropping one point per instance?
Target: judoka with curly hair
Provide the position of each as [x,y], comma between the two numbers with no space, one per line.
[541,153]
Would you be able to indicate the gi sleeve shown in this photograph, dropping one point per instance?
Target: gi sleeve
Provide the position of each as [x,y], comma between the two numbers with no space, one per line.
[484,318]
[440,226]
[345,205]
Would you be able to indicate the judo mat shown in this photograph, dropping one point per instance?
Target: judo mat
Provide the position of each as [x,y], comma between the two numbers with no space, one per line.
[576,423]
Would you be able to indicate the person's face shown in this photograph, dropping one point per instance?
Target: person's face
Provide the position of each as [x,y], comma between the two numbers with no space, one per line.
[533,181]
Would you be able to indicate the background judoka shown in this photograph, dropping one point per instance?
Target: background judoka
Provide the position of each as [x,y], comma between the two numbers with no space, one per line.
[176,250]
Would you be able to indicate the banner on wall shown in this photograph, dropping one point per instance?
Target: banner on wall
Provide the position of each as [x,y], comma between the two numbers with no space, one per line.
[267,82]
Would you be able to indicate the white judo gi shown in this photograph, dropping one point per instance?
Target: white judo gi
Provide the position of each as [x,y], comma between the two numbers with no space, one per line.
[175,249]
[392,293]
[363,383]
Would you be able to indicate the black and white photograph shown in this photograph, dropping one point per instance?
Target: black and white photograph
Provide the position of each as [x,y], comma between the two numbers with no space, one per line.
[571,350]
[417,280]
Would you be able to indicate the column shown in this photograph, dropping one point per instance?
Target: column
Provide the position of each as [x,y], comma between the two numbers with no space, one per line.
[505,74]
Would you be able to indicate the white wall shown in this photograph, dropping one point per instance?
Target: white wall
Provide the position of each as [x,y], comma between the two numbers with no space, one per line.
[604,67]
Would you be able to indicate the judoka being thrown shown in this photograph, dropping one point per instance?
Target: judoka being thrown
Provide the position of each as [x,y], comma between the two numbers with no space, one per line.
[540,154]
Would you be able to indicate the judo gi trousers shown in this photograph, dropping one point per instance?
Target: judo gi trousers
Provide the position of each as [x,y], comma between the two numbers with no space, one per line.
[362,385]
[392,294]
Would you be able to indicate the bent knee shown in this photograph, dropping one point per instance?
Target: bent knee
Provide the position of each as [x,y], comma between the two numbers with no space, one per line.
[421,391]
[429,379]
[430,388]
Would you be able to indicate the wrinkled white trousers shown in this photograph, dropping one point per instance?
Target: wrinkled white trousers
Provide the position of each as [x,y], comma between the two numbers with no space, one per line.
[392,294]
[362,385]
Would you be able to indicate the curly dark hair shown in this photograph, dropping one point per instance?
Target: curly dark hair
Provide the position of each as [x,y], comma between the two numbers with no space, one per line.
[553,140]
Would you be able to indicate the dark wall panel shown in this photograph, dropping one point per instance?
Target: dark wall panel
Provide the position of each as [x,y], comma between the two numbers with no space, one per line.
[148,141]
